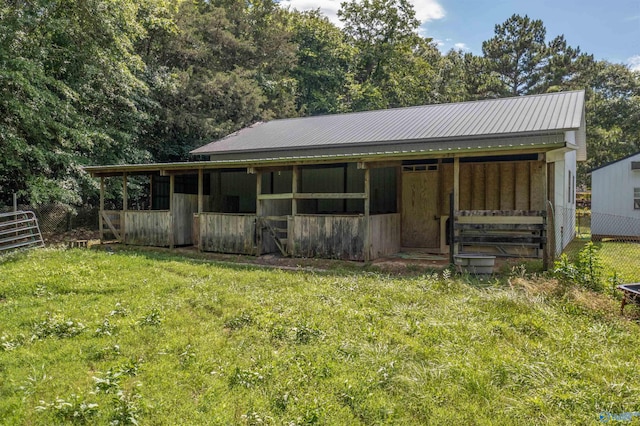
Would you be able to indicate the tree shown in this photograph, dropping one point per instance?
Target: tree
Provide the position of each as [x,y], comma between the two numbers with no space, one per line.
[517,53]
[612,114]
[393,66]
[322,69]
[71,94]
[226,66]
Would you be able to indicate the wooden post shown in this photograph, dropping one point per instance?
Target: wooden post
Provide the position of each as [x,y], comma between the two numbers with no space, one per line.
[294,190]
[258,175]
[291,237]
[172,185]
[367,204]
[125,207]
[200,205]
[101,212]
[456,197]
[399,190]
[200,190]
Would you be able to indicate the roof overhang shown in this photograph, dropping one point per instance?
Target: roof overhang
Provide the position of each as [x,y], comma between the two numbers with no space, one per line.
[468,148]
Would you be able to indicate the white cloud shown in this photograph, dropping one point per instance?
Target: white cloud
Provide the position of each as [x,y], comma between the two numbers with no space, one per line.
[329,8]
[634,63]
[426,10]
[460,46]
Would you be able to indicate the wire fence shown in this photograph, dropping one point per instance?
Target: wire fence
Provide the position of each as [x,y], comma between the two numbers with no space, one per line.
[616,239]
[60,223]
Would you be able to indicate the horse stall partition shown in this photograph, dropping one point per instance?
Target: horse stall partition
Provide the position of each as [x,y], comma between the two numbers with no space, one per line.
[227,232]
[385,233]
[504,233]
[328,236]
[148,227]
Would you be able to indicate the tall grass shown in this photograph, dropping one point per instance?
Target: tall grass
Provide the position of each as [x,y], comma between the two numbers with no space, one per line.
[92,337]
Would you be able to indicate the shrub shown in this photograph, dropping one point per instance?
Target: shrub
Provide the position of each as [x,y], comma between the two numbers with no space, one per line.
[586,272]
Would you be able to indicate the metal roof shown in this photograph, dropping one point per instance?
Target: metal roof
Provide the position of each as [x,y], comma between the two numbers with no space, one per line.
[429,124]
[626,157]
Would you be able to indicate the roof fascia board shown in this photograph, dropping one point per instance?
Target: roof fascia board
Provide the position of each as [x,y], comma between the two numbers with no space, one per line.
[182,168]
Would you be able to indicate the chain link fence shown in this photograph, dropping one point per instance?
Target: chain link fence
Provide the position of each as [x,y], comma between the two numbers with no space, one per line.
[616,239]
[61,223]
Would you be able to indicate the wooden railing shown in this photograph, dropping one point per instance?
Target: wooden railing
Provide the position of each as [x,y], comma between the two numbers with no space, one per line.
[506,233]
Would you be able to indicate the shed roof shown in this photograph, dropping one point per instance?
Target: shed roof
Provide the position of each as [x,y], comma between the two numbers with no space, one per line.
[431,125]
[611,163]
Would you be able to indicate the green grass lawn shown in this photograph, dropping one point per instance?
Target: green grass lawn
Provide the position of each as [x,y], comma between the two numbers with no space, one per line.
[93,337]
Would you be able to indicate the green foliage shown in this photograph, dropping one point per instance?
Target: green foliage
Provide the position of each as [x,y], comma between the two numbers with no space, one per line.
[77,410]
[587,271]
[122,81]
[323,348]
[57,326]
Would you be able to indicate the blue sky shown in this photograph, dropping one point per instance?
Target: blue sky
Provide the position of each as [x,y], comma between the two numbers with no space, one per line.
[609,30]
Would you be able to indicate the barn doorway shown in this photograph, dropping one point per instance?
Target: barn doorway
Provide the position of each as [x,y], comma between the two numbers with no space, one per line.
[420,223]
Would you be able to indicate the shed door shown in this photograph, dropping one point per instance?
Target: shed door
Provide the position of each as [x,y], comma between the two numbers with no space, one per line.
[420,228]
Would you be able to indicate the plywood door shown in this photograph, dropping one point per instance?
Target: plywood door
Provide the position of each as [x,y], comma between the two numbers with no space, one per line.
[420,228]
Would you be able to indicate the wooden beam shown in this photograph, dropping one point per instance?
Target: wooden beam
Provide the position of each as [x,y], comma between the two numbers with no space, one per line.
[294,189]
[331,195]
[200,190]
[101,208]
[383,164]
[172,186]
[285,196]
[456,197]
[258,229]
[315,196]
[367,231]
[125,207]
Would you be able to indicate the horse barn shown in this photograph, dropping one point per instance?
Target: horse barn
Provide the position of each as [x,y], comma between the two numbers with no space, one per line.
[494,176]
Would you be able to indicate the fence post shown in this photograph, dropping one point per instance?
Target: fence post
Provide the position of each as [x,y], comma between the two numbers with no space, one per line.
[15,202]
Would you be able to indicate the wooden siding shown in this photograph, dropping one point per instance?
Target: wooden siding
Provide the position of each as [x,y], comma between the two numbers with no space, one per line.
[385,234]
[227,233]
[147,227]
[184,206]
[328,236]
[518,185]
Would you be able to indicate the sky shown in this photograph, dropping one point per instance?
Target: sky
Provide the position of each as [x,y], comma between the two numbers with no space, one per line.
[608,29]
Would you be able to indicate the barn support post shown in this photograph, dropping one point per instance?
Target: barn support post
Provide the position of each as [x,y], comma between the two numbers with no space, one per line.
[200,190]
[258,231]
[172,185]
[200,205]
[456,197]
[291,237]
[367,204]
[100,224]
[125,207]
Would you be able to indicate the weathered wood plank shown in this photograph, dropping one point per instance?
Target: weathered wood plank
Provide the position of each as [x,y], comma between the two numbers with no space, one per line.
[328,236]
[184,206]
[465,186]
[147,227]
[492,186]
[522,186]
[507,186]
[478,186]
[227,233]
[385,234]
[500,226]
[538,185]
